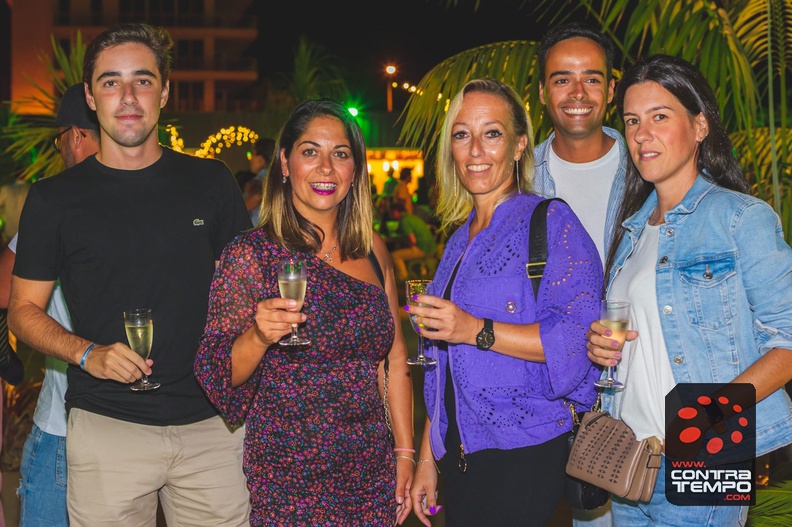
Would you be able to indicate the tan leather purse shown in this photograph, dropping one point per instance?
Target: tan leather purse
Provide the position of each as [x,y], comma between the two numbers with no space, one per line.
[606,454]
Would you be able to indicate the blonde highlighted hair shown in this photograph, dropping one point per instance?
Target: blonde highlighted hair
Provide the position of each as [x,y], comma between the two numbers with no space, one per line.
[454,201]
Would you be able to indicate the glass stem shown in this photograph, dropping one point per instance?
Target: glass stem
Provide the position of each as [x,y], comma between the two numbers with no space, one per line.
[294,332]
[420,345]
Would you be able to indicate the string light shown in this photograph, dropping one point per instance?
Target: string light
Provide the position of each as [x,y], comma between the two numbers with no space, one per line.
[176,142]
[226,138]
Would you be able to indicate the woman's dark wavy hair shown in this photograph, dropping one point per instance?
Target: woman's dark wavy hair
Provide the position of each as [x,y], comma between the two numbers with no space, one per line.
[715,153]
[281,220]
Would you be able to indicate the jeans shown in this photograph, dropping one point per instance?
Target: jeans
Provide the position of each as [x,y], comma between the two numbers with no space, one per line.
[42,488]
[660,512]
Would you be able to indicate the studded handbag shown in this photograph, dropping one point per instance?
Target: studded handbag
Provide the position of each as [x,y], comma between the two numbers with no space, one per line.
[580,494]
[606,453]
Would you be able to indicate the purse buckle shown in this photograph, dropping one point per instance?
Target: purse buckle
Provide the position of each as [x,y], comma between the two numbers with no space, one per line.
[535,273]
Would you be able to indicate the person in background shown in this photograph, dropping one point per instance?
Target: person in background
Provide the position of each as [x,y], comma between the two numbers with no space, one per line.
[43,470]
[402,193]
[389,187]
[582,162]
[691,238]
[135,226]
[261,157]
[496,419]
[317,450]
[12,198]
[418,240]
[250,186]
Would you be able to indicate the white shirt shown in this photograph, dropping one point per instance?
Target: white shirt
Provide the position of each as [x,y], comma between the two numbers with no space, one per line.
[586,188]
[50,413]
[644,369]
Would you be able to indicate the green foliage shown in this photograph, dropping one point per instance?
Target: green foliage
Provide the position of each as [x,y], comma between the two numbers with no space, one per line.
[316,73]
[510,62]
[773,503]
[29,135]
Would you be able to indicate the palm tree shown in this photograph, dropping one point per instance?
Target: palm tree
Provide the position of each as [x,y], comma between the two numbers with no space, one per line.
[743,47]
[30,136]
[316,73]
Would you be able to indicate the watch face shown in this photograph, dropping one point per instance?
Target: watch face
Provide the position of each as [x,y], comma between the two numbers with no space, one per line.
[485,339]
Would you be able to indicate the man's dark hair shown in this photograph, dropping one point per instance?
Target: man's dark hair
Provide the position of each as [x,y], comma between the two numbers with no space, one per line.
[571,30]
[155,38]
[264,147]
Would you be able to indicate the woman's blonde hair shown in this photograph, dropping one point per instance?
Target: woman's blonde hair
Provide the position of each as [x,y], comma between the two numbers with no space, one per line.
[454,201]
[279,217]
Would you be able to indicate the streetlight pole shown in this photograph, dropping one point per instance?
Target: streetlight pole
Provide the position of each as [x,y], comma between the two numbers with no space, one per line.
[390,70]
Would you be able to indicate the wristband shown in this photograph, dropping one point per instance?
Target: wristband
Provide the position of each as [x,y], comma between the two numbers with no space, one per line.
[85,355]
[412,451]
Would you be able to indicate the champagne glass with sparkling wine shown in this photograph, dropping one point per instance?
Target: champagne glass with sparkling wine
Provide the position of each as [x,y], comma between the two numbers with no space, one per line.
[615,315]
[418,287]
[140,333]
[292,278]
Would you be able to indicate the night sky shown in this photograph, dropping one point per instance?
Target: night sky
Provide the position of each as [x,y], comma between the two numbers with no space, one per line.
[415,35]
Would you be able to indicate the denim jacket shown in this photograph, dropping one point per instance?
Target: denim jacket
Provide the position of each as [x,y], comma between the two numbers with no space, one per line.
[544,184]
[724,293]
[503,402]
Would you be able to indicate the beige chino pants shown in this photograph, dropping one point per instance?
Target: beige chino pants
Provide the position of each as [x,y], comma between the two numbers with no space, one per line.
[118,470]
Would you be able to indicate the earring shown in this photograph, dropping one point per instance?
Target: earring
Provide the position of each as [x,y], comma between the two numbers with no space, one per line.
[284,180]
[517,174]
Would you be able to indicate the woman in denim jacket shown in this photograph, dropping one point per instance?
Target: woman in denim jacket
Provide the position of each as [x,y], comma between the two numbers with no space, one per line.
[707,271]
[506,360]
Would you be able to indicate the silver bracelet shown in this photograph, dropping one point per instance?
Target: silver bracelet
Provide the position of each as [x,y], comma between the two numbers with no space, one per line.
[427,461]
[406,457]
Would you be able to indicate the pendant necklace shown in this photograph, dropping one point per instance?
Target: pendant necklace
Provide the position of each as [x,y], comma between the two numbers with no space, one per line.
[327,255]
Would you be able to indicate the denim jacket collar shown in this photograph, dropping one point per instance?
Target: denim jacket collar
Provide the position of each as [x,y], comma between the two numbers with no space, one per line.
[701,187]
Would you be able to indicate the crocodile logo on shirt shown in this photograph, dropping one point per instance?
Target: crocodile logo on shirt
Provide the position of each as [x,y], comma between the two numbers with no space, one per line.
[198,221]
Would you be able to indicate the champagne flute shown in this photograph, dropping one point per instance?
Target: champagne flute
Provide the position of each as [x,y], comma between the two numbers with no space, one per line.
[615,315]
[140,333]
[418,287]
[292,279]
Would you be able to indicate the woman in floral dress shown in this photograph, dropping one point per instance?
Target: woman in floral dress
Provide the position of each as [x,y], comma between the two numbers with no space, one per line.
[317,448]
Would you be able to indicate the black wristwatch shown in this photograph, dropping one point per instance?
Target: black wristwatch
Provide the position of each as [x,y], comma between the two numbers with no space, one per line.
[486,337]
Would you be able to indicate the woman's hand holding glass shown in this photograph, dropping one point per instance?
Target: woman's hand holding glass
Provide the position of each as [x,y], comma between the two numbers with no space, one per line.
[440,319]
[274,318]
[603,348]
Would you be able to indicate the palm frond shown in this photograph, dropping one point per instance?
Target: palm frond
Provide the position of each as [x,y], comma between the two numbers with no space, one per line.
[512,62]
[29,135]
[316,73]
[773,506]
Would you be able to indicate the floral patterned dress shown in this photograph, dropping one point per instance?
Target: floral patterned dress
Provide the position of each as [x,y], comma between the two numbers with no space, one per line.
[316,445]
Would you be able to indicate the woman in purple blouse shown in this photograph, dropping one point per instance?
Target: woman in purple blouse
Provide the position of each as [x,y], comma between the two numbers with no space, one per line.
[506,360]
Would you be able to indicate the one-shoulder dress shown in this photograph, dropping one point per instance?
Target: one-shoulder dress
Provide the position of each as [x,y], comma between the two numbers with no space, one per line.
[317,451]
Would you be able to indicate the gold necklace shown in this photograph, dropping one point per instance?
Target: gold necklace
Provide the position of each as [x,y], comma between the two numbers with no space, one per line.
[327,255]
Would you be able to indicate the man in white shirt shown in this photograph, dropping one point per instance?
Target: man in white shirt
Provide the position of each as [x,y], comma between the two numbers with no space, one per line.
[582,162]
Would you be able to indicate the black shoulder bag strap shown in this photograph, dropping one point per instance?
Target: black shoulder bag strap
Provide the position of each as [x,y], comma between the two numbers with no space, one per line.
[537,244]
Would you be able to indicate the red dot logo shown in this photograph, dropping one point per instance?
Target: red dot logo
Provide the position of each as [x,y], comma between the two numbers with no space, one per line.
[693,433]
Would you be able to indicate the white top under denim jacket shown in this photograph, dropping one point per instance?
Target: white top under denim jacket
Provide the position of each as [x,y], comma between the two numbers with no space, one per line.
[544,184]
[724,293]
